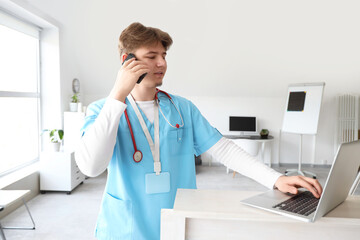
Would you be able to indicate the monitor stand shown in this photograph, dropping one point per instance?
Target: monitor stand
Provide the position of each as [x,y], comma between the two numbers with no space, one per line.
[248,134]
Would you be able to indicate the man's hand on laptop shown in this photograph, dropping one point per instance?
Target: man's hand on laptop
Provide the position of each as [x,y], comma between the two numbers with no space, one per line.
[290,184]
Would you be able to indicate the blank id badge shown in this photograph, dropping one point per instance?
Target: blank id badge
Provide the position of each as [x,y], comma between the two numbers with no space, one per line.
[157,183]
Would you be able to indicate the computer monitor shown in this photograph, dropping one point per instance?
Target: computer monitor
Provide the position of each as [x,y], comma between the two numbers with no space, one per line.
[244,125]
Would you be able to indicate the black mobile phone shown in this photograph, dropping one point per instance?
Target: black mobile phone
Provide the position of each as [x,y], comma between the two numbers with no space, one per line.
[130,56]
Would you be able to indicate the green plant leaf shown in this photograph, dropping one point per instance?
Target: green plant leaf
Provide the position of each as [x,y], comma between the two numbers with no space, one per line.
[52,133]
[61,134]
[75,98]
[43,131]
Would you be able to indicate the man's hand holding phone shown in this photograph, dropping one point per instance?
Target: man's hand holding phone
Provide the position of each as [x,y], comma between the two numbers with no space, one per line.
[127,77]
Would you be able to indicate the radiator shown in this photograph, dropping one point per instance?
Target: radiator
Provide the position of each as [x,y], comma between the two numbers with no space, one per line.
[347,119]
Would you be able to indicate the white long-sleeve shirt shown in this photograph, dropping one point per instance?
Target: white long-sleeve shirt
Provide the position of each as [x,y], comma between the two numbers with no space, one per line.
[95,149]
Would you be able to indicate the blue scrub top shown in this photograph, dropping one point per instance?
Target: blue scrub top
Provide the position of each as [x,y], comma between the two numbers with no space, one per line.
[127,212]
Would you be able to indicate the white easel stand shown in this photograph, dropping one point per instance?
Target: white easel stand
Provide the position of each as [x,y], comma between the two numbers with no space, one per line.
[355,185]
[299,171]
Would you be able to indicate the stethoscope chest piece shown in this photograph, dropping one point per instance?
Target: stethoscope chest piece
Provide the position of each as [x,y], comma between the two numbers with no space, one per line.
[137,156]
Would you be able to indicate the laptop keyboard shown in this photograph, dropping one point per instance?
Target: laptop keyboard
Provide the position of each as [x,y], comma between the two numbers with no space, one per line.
[304,204]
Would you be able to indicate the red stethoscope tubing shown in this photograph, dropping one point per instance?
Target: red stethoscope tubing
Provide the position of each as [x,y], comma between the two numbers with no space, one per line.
[132,134]
[158,90]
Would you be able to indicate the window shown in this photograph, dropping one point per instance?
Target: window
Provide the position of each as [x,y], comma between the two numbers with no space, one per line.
[19,93]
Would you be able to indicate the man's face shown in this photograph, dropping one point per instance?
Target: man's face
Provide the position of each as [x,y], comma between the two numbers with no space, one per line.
[154,57]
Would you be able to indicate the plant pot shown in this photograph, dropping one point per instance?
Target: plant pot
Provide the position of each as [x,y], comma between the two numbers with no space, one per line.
[264,136]
[73,107]
[55,146]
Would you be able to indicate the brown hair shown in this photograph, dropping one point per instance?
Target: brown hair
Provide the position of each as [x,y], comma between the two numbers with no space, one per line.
[137,35]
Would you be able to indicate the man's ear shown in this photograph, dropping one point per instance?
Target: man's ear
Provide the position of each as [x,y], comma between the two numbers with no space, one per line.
[124,56]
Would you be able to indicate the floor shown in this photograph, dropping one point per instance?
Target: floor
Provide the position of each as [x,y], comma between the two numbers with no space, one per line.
[61,216]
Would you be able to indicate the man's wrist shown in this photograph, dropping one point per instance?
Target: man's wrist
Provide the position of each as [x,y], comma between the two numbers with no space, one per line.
[277,181]
[118,96]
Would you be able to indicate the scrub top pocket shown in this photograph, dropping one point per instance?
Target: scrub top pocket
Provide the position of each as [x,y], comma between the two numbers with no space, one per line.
[116,219]
[178,141]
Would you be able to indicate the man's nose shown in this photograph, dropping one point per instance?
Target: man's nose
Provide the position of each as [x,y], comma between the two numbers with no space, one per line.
[161,62]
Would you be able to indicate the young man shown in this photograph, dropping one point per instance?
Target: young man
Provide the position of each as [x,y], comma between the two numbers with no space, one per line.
[149,148]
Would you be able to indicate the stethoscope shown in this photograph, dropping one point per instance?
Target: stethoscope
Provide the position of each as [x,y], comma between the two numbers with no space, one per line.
[138,154]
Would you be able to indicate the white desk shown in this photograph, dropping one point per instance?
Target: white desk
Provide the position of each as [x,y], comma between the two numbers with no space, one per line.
[257,139]
[217,214]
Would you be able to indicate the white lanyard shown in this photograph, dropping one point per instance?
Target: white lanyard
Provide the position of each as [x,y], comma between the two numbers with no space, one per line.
[155,148]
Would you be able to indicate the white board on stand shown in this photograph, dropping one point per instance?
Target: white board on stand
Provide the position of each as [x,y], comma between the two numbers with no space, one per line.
[303,108]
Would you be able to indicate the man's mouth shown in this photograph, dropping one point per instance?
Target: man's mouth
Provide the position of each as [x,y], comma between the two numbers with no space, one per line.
[160,73]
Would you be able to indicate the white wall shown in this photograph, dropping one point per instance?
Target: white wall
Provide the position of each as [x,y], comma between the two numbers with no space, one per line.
[237,57]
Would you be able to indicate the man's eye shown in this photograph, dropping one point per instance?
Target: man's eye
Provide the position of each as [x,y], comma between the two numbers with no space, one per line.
[152,57]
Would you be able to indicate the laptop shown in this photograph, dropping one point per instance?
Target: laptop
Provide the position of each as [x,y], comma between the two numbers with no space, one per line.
[303,206]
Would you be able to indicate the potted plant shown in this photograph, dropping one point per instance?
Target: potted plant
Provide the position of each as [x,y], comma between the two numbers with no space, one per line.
[74,102]
[264,133]
[55,136]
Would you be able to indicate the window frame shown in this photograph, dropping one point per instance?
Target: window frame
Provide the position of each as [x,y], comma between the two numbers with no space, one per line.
[20,25]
